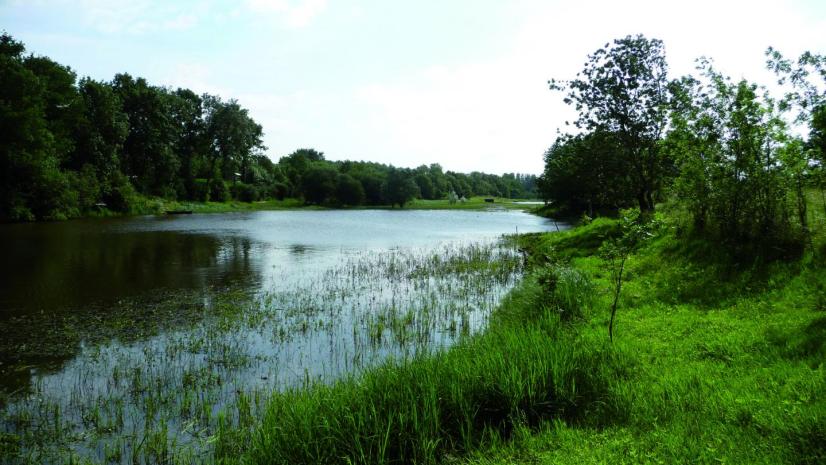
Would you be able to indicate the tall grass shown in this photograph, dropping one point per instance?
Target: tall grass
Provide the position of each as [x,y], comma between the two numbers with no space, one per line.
[719,361]
[432,407]
[568,291]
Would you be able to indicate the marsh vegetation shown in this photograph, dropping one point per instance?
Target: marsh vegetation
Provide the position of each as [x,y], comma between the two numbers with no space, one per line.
[148,379]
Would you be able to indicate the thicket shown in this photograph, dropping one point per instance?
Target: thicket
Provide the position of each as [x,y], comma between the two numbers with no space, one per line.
[724,152]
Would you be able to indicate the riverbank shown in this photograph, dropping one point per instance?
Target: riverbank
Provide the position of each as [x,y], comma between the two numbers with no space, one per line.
[715,359]
[160,206]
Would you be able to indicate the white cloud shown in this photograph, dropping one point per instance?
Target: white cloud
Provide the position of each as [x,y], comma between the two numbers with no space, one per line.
[194,76]
[295,14]
[136,16]
[499,115]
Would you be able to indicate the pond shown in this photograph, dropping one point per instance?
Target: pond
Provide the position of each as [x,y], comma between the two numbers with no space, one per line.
[127,340]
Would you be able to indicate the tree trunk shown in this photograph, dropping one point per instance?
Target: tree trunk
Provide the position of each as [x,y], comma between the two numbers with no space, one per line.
[617,290]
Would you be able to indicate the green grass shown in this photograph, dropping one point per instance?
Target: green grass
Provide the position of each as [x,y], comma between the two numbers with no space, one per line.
[726,363]
[715,359]
[159,206]
[473,203]
[432,407]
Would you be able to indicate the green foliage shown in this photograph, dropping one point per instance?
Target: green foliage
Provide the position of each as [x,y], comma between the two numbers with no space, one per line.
[119,196]
[722,149]
[735,174]
[200,190]
[318,183]
[399,187]
[218,190]
[244,192]
[587,173]
[67,146]
[623,91]
[76,148]
[635,229]
[569,291]
[349,191]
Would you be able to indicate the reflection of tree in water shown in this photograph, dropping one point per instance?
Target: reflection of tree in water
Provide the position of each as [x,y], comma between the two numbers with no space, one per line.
[66,271]
[300,249]
[63,288]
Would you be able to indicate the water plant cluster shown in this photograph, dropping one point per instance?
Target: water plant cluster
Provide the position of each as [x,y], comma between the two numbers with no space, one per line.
[179,390]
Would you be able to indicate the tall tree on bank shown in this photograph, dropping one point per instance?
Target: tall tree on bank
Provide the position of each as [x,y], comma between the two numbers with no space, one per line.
[727,138]
[31,183]
[806,98]
[623,90]
[148,158]
[586,173]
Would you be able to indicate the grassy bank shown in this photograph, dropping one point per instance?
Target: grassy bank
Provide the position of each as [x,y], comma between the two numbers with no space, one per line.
[716,359]
[160,206]
[726,360]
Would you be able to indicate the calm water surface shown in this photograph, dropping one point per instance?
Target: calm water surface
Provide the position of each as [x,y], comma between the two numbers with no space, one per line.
[133,339]
[59,266]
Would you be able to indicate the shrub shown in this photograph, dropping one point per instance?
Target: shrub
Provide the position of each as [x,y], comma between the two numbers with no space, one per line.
[570,291]
[200,190]
[120,194]
[244,192]
[218,190]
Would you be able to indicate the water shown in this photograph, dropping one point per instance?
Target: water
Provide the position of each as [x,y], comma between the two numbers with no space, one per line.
[127,339]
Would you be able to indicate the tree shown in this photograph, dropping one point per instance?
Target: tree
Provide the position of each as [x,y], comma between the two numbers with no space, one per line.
[32,185]
[425,186]
[623,90]
[318,183]
[235,137]
[62,104]
[399,188]
[726,138]
[807,97]
[148,158]
[296,163]
[100,131]
[634,232]
[348,190]
[585,172]
[191,139]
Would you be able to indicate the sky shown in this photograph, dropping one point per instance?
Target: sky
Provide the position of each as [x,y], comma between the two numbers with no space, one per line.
[459,83]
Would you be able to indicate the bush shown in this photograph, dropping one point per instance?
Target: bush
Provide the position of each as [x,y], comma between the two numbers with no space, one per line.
[120,194]
[349,191]
[85,184]
[244,192]
[571,292]
[278,190]
[218,191]
[200,190]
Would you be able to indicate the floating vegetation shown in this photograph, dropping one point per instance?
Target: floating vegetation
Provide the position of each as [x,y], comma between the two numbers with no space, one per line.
[166,381]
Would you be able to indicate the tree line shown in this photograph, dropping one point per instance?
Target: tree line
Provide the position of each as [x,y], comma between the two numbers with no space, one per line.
[72,146]
[306,174]
[724,152]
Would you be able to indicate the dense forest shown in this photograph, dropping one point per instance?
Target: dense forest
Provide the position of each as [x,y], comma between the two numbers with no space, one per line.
[72,147]
[727,154]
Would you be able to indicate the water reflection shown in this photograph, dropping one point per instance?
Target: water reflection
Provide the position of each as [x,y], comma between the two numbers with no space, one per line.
[300,249]
[59,269]
[141,327]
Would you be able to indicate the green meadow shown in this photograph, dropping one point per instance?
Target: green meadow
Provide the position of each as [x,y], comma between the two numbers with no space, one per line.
[717,358]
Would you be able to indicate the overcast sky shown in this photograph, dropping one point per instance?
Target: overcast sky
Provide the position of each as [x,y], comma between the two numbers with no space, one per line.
[461,83]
